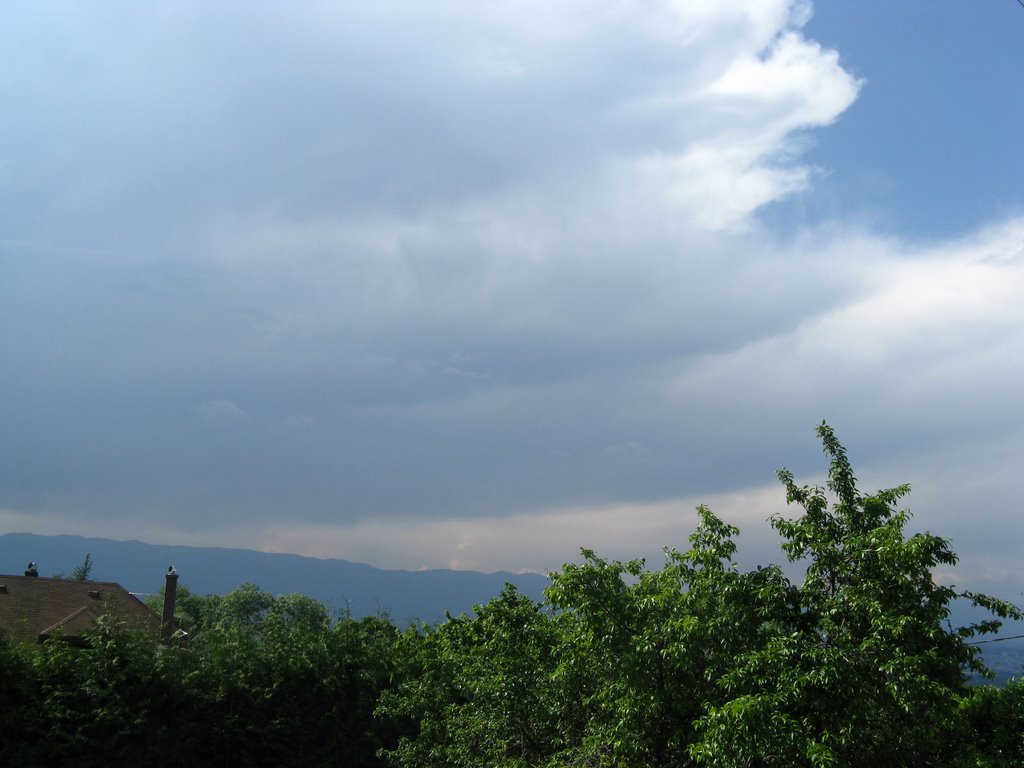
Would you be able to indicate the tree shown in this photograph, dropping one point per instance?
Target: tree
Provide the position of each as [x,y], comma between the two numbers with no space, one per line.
[863,668]
[611,671]
[19,702]
[275,682]
[639,647]
[113,699]
[993,733]
[483,694]
[81,572]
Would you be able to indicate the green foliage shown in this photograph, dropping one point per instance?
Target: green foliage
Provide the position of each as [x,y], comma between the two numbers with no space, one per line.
[81,572]
[612,672]
[993,727]
[265,681]
[106,702]
[640,646]
[18,689]
[482,694]
[863,668]
[272,673]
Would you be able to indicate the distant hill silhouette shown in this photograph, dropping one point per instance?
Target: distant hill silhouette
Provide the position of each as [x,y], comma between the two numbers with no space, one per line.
[403,595]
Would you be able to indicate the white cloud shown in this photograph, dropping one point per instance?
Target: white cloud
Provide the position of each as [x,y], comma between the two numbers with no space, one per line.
[301,115]
[795,81]
[718,187]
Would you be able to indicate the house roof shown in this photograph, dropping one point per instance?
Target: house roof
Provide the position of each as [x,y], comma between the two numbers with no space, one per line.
[34,609]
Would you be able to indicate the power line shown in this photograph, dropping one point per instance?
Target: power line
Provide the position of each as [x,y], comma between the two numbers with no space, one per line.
[1010,637]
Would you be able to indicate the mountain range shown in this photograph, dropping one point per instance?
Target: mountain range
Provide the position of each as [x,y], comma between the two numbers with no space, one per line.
[403,596]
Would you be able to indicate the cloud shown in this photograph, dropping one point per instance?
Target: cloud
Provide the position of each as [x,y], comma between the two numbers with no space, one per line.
[469,279]
[223,413]
[336,108]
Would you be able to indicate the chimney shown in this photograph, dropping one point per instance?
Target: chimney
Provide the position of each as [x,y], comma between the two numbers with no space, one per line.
[170,593]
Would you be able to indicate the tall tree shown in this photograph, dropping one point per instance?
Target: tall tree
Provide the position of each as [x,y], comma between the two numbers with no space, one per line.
[864,668]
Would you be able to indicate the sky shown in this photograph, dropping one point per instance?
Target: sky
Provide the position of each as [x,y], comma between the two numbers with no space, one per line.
[475,285]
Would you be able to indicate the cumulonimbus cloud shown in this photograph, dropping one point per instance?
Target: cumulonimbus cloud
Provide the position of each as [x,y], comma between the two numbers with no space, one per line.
[455,263]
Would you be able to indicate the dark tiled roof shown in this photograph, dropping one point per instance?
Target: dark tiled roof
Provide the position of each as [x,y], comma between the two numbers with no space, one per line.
[33,608]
